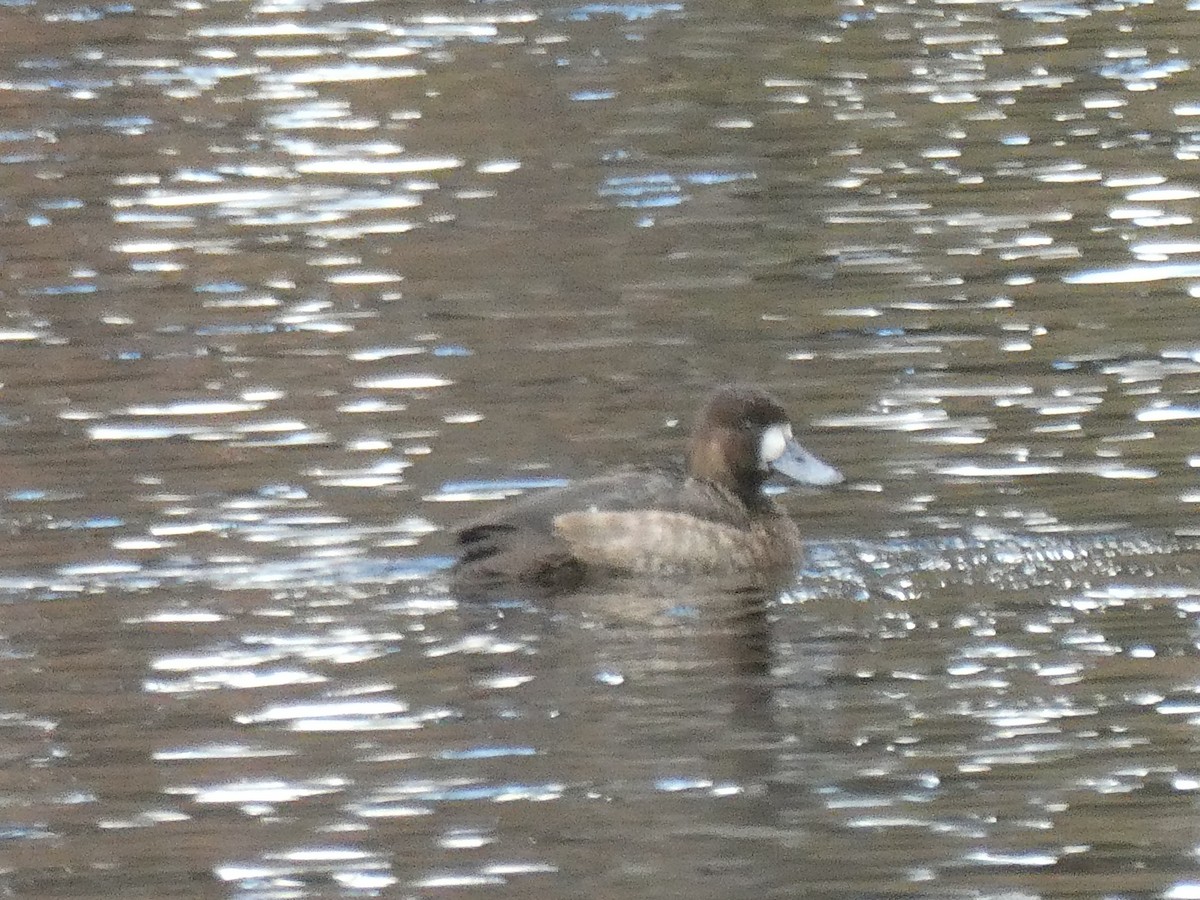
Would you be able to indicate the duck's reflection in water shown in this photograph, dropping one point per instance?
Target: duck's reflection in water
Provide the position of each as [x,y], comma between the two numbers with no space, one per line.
[655,714]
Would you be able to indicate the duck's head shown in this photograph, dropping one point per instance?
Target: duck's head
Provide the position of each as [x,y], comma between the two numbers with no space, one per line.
[742,436]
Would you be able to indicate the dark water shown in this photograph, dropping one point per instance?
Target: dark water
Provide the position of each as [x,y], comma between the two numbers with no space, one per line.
[290,288]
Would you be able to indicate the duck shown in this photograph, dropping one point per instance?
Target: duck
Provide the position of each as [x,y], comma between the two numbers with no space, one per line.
[707,518]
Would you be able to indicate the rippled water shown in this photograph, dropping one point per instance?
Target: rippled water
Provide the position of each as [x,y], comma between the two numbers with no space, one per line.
[289,288]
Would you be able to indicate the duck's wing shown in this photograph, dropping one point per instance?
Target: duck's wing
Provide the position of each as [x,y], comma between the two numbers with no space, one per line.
[625,490]
[496,556]
[548,539]
[519,543]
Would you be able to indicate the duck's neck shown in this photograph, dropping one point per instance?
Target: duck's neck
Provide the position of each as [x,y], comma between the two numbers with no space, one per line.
[710,459]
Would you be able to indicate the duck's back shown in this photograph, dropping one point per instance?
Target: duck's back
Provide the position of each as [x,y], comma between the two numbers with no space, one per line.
[636,521]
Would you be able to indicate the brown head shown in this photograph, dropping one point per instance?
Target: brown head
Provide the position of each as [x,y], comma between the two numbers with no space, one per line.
[743,435]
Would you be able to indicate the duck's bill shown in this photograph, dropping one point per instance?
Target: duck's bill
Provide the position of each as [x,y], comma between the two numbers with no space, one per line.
[799,465]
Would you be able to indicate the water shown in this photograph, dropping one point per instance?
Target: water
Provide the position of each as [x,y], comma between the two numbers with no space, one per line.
[288,289]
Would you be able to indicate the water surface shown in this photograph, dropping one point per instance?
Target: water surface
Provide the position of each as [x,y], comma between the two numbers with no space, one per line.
[289,289]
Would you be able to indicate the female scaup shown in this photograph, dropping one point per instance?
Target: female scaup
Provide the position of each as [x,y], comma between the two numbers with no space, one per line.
[712,520]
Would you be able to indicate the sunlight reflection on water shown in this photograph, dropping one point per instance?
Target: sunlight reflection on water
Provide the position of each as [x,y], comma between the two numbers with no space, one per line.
[289,290]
